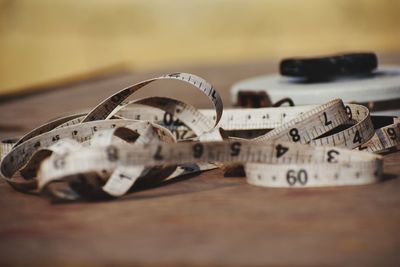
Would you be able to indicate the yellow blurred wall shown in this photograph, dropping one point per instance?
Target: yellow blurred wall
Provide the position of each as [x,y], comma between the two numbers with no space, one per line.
[45,40]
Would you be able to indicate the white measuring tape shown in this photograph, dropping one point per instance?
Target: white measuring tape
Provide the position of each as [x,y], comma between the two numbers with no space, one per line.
[121,143]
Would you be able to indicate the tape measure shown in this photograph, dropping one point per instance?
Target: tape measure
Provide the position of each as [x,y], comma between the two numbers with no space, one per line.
[121,143]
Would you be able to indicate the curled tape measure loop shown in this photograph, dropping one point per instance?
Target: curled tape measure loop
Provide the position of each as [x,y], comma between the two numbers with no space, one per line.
[121,143]
[109,106]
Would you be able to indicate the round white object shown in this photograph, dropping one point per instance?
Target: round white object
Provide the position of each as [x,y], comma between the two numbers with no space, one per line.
[381,85]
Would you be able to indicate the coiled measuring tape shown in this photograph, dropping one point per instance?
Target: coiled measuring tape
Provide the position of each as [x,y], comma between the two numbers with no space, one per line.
[121,143]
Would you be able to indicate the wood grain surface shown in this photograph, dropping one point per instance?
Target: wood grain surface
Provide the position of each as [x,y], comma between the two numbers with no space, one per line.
[200,220]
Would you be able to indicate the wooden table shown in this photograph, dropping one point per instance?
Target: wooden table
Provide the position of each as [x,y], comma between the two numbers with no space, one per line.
[206,219]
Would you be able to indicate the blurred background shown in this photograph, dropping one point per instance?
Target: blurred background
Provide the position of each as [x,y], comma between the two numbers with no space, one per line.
[44,41]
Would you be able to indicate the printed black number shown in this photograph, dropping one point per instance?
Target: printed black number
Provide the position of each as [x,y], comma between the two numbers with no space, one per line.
[157,155]
[331,155]
[357,138]
[112,153]
[362,148]
[235,149]
[198,150]
[290,177]
[180,134]
[123,176]
[392,133]
[168,120]
[281,150]
[326,120]
[349,113]
[175,75]
[294,133]
[300,178]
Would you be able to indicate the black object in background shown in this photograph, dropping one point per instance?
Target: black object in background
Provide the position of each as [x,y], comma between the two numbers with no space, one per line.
[320,68]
